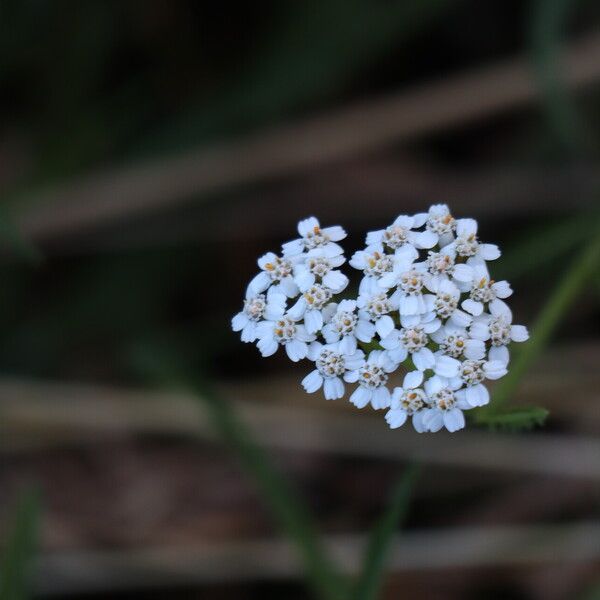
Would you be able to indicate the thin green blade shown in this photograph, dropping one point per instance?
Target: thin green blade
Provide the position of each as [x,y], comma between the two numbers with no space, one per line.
[371,577]
[15,570]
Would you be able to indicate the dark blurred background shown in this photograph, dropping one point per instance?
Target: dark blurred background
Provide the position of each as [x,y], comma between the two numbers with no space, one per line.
[151,151]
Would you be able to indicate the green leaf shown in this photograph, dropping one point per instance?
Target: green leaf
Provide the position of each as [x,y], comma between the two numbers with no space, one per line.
[19,550]
[515,419]
[579,274]
[370,579]
[289,511]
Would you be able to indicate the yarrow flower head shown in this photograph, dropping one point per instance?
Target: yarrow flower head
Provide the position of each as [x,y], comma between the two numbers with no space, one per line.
[428,314]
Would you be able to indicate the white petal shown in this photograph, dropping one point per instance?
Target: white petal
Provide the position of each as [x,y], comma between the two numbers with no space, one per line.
[410,320]
[405,255]
[239,321]
[466,226]
[313,320]
[331,335]
[269,257]
[380,398]
[502,289]
[423,359]
[391,341]
[374,237]
[296,350]
[480,331]
[434,384]
[474,349]
[312,382]
[303,335]
[519,333]
[431,326]
[358,260]
[384,326]
[330,250]
[249,332]
[432,419]
[388,280]
[348,344]
[499,308]
[297,311]
[364,331]
[267,346]
[477,395]
[264,329]
[395,418]
[335,233]
[454,419]
[398,355]
[314,350]
[328,311]
[417,421]
[260,282]
[275,305]
[499,354]
[409,305]
[494,369]
[304,279]
[360,397]
[333,388]
[355,361]
[419,220]
[461,318]
[472,307]
[288,286]
[307,225]
[351,376]
[335,281]
[462,272]
[293,248]
[404,221]
[424,239]
[412,380]
[347,306]
[489,251]
[446,366]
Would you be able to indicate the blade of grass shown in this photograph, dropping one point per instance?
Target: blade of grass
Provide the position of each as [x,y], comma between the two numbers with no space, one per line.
[370,579]
[289,511]
[577,276]
[18,553]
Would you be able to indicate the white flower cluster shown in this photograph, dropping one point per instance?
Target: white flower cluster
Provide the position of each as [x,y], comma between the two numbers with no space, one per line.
[426,303]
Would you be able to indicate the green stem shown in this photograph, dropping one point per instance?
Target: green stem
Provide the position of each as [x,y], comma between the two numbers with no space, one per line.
[291,514]
[567,290]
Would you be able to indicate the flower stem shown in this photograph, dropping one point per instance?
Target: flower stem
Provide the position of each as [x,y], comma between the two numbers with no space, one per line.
[567,290]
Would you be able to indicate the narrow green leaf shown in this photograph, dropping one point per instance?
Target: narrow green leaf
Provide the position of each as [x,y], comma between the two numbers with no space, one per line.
[370,579]
[515,419]
[579,274]
[289,511]
[15,570]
